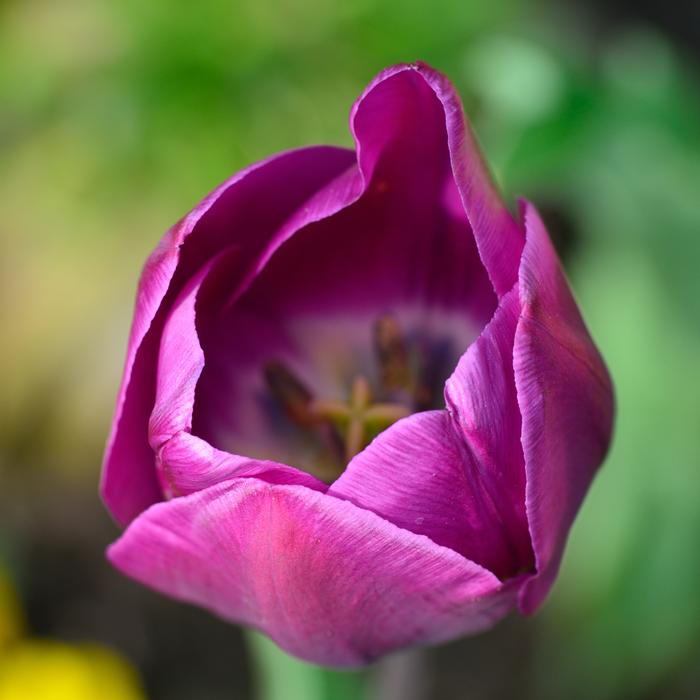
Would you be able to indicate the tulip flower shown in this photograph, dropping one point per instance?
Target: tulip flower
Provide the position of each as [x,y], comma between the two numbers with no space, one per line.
[360,408]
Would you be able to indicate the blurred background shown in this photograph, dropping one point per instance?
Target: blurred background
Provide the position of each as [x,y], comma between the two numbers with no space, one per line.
[117,117]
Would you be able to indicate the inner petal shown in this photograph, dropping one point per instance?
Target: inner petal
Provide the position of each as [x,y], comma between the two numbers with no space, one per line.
[316,311]
[403,251]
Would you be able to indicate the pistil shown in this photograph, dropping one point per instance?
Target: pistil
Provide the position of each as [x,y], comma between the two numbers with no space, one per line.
[359,417]
[343,428]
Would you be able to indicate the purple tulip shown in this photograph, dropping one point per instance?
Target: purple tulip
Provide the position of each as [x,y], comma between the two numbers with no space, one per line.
[360,408]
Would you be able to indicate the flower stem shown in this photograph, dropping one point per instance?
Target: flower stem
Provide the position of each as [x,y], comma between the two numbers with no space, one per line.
[279,676]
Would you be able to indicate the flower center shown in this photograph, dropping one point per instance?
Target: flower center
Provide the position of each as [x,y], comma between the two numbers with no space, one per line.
[341,428]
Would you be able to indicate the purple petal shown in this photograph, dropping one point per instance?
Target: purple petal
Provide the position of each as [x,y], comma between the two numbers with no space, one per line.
[328,581]
[402,246]
[566,401]
[187,464]
[180,360]
[184,462]
[498,237]
[482,397]
[419,475]
[239,337]
[400,240]
[247,209]
[460,478]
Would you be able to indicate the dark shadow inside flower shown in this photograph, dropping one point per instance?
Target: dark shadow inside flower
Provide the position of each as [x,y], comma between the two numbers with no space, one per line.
[403,252]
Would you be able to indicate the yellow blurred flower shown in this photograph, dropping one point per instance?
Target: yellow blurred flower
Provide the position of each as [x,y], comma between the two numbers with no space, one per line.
[51,670]
[34,669]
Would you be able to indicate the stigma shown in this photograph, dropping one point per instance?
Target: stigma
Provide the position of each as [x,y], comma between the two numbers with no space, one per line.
[396,388]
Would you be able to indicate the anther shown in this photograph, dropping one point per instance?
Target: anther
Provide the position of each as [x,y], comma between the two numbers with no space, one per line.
[291,394]
[392,354]
[345,427]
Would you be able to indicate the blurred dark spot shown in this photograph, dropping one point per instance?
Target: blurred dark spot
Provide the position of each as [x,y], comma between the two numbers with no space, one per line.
[679,19]
[562,227]
[469,668]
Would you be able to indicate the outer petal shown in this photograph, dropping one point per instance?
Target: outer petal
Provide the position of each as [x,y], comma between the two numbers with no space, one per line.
[326,580]
[420,475]
[246,209]
[459,478]
[498,237]
[482,397]
[566,402]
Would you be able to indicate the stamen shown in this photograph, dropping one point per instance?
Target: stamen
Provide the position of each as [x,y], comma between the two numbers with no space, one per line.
[359,418]
[392,354]
[402,365]
[291,394]
[342,429]
[297,402]
[382,415]
[360,396]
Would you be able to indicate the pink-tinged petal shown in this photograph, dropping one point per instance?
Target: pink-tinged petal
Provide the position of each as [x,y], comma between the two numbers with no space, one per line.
[186,464]
[566,402]
[246,210]
[328,581]
[420,475]
[482,397]
[498,237]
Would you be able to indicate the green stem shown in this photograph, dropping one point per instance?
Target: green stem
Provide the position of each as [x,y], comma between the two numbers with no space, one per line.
[279,676]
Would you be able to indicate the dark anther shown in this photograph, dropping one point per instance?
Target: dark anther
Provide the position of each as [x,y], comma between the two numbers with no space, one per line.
[407,380]
[298,404]
[392,354]
[293,397]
